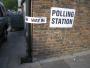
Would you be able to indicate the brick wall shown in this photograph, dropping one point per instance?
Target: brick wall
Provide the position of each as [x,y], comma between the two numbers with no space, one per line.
[53,42]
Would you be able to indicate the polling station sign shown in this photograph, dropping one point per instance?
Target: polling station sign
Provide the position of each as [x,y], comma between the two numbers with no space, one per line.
[62,17]
[35,20]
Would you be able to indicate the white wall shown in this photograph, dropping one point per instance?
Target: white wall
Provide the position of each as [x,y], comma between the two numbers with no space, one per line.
[19,4]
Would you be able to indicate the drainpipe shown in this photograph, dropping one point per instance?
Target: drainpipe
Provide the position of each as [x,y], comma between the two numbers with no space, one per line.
[29,31]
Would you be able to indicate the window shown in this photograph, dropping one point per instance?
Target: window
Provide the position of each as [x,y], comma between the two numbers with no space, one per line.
[1,13]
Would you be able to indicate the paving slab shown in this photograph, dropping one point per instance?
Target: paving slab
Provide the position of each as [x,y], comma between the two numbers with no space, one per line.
[55,64]
[12,50]
[3,62]
[30,65]
[13,62]
[79,61]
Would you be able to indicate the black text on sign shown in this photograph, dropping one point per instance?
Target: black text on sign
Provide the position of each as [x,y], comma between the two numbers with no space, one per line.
[62,17]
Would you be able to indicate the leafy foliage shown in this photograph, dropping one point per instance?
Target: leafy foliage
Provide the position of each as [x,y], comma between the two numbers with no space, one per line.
[11,4]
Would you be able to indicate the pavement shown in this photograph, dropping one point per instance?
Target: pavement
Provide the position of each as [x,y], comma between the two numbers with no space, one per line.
[15,48]
[12,50]
[76,61]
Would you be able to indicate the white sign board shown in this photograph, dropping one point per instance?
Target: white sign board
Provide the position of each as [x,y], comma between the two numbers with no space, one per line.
[62,17]
[36,20]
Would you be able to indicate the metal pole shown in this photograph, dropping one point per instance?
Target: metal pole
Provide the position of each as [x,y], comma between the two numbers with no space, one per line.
[29,35]
[28,31]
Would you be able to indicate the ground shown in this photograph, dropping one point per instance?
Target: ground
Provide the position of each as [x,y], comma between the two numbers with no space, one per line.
[15,48]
